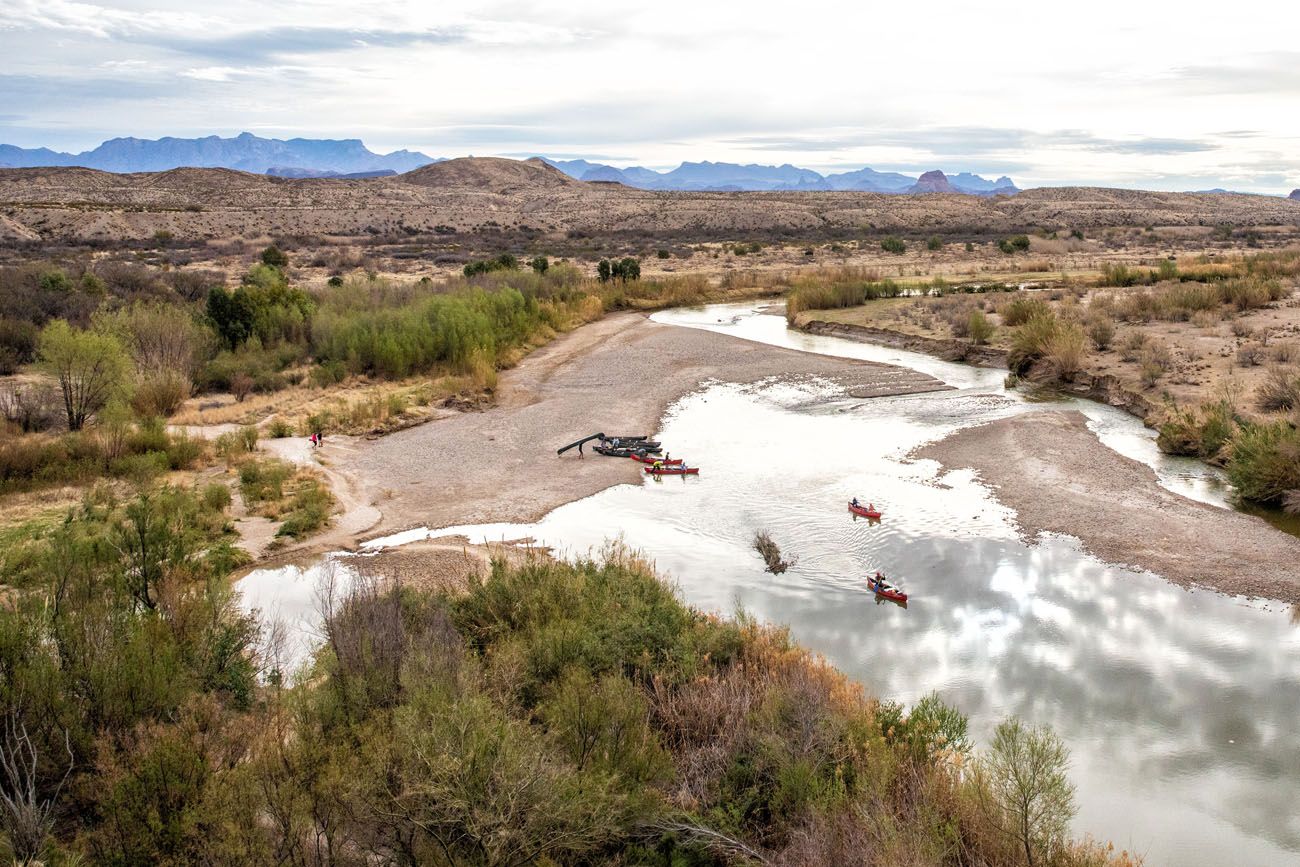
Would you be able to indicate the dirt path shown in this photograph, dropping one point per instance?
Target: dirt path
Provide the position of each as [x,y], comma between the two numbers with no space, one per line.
[617,375]
[1058,477]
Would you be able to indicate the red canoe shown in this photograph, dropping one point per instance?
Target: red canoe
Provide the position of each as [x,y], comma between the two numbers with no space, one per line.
[865,512]
[650,459]
[882,587]
[673,471]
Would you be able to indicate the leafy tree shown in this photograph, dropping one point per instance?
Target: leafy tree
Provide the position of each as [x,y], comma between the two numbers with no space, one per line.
[231,313]
[274,257]
[1023,788]
[604,271]
[263,306]
[540,264]
[625,269]
[893,245]
[91,367]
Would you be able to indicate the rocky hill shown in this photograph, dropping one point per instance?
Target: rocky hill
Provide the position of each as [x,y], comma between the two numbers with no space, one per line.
[932,182]
[1295,194]
[474,194]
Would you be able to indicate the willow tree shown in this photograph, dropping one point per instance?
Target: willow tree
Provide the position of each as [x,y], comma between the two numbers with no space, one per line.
[91,368]
[1024,790]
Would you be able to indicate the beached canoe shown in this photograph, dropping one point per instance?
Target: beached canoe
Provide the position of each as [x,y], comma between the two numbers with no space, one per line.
[650,459]
[865,512]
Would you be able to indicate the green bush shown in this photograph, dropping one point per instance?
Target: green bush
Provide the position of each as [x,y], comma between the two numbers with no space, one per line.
[263,481]
[1059,345]
[934,243]
[893,245]
[183,452]
[1265,461]
[263,306]
[309,510]
[451,330]
[979,327]
[140,468]
[1202,434]
[329,373]
[501,262]
[1014,244]
[278,429]
[216,497]
[1101,331]
[1020,310]
[274,257]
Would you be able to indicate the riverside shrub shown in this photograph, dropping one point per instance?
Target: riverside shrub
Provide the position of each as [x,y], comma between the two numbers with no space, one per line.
[1265,461]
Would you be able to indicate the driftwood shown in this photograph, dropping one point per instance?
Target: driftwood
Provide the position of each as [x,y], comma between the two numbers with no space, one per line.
[771,553]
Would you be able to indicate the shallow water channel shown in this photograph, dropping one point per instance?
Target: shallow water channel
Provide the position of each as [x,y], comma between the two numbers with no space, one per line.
[1181,708]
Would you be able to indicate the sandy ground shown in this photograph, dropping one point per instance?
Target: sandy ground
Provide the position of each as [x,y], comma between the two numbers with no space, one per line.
[1058,477]
[442,564]
[617,376]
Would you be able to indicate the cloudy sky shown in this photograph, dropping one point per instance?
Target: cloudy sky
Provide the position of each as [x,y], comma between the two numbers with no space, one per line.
[1160,95]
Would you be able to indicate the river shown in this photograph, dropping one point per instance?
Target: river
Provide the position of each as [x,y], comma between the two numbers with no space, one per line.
[1180,707]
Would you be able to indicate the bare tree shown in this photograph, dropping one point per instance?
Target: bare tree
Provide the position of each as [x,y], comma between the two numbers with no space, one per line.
[33,407]
[25,816]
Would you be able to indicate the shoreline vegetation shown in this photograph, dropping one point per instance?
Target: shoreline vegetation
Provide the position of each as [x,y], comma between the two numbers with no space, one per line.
[547,713]
[1096,337]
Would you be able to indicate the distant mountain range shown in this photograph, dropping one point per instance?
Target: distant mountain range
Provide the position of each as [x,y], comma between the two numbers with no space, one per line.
[733,177]
[349,158]
[297,157]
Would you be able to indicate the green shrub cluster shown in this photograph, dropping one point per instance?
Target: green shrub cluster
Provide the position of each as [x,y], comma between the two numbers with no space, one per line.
[1014,244]
[140,453]
[501,262]
[263,306]
[838,292]
[1199,433]
[1052,347]
[453,330]
[1265,461]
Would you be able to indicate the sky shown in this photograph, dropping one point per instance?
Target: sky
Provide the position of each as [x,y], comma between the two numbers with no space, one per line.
[1193,95]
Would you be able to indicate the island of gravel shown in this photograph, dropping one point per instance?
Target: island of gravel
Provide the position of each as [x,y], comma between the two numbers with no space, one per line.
[1058,477]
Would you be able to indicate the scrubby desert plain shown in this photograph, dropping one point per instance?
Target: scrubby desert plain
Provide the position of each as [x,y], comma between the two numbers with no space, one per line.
[341,308]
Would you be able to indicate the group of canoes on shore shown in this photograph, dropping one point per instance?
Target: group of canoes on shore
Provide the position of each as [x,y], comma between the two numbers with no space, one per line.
[639,448]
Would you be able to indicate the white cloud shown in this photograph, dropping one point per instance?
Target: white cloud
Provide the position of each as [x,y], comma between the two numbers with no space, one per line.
[1123,91]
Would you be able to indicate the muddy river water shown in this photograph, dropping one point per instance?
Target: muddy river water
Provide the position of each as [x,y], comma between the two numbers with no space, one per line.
[1181,708]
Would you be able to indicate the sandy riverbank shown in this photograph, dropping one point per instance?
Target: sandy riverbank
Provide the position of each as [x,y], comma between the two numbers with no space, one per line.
[1058,477]
[618,375]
